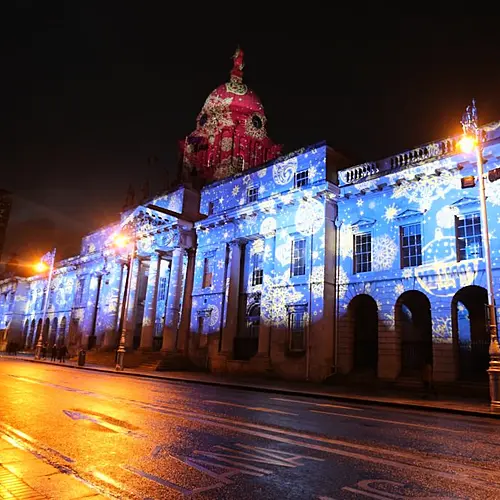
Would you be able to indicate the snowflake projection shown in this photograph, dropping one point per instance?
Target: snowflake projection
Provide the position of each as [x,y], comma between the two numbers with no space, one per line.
[359,202]
[390,213]
[146,244]
[317,280]
[284,251]
[343,283]
[372,205]
[286,198]
[284,171]
[257,247]
[312,172]
[236,190]
[445,217]
[214,315]
[262,172]
[384,252]
[389,321]
[268,226]
[247,180]
[399,289]
[268,206]
[175,201]
[218,113]
[309,216]
[493,192]
[345,240]
[441,330]
[428,189]
[278,293]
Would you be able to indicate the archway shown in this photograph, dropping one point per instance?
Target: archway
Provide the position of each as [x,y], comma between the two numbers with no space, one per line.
[61,339]
[25,334]
[30,343]
[363,314]
[38,333]
[53,333]
[246,342]
[45,333]
[414,322]
[470,333]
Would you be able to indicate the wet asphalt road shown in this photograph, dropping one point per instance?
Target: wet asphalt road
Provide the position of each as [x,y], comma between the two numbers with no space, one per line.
[138,438]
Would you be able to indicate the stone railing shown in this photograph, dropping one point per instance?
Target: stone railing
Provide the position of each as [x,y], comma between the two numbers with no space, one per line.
[431,151]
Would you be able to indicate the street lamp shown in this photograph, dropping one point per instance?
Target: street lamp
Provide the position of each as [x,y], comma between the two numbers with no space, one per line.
[46,262]
[473,140]
[121,241]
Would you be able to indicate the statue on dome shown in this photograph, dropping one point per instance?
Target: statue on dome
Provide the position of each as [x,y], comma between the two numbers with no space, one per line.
[236,85]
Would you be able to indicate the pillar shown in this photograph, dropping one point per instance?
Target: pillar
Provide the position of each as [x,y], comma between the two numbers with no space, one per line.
[183,342]
[148,322]
[110,336]
[173,302]
[229,329]
[130,314]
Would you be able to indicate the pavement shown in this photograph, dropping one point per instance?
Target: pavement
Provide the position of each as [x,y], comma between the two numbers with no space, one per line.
[413,400]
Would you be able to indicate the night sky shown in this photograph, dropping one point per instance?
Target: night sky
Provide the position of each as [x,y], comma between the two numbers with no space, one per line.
[91,90]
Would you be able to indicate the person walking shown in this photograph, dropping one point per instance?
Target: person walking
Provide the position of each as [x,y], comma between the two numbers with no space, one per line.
[53,353]
[63,351]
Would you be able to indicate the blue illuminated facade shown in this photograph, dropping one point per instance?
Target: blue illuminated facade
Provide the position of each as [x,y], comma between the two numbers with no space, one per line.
[300,267]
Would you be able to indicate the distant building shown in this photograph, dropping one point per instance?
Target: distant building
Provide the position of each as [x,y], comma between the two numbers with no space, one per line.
[298,265]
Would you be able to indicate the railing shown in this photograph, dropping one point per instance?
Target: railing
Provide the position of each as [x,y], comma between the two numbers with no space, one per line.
[427,152]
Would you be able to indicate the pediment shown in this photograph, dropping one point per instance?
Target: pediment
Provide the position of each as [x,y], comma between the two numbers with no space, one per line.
[465,202]
[406,214]
[364,222]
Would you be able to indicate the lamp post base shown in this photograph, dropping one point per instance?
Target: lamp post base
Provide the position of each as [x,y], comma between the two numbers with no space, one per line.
[119,361]
[494,374]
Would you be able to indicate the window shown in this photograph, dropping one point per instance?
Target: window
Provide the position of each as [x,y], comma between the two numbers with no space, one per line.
[411,245]
[469,241]
[210,208]
[362,253]
[162,289]
[207,272]
[299,257]
[297,330]
[252,194]
[301,178]
[257,268]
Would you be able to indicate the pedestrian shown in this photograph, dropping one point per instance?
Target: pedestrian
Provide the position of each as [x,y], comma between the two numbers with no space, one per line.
[44,350]
[53,354]
[427,377]
[63,351]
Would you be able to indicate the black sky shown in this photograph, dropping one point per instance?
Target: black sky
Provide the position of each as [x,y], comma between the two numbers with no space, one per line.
[92,89]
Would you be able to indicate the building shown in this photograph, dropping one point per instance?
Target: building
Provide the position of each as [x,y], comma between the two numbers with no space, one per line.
[296,265]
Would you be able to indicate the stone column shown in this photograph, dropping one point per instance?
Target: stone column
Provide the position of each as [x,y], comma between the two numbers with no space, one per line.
[148,321]
[265,326]
[110,337]
[183,342]
[131,306]
[173,302]
[232,300]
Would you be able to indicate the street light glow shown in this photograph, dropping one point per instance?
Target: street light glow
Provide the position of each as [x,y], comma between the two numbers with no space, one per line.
[40,267]
[467,144]
[120,240]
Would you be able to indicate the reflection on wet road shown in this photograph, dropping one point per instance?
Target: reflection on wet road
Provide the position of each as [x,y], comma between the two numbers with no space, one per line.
[137,438]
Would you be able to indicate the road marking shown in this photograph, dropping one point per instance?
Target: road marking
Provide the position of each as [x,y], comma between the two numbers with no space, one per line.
[96,419]
[329,405]
[265,410]
[366,489]
[385,421]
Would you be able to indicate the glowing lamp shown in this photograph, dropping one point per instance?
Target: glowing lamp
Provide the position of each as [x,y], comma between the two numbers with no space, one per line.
[120,241]
[467,144]
[40,267]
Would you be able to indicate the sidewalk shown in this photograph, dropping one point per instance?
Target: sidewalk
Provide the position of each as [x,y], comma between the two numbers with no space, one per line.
[387,397]
[24,476]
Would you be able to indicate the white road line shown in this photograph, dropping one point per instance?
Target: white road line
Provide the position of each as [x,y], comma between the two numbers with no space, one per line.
[385,421]
[317,404]
[266,410]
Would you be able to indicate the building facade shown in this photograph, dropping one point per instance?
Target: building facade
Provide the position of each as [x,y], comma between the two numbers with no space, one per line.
[299,266]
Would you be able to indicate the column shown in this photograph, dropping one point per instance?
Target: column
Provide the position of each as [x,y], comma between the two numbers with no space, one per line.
[233,293]
[148,322]
[173,302]
[265,325]
[110,336]
[130,314]
[183,344]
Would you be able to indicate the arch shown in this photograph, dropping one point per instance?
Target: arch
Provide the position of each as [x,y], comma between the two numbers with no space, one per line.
[413,323]
[470,333]
[30,343]
[61,338]
[246,341]
[46,328]
[25,333]
[53,332]
[363,318]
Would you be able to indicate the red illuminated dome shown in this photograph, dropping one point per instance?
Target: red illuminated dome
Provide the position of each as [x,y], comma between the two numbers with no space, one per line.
[230,133]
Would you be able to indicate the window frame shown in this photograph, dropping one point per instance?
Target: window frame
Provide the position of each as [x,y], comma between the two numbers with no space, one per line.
[402,247]
[355,255]
[293,260]
[303,181]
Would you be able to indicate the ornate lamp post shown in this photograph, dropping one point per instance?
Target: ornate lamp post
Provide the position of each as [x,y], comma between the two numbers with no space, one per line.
[122,241]
[473,140]
[46,262]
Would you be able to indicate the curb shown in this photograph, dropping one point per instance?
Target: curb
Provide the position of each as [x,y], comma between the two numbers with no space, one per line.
[287,392]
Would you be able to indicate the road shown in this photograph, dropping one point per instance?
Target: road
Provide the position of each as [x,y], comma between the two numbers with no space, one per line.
[144,439]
